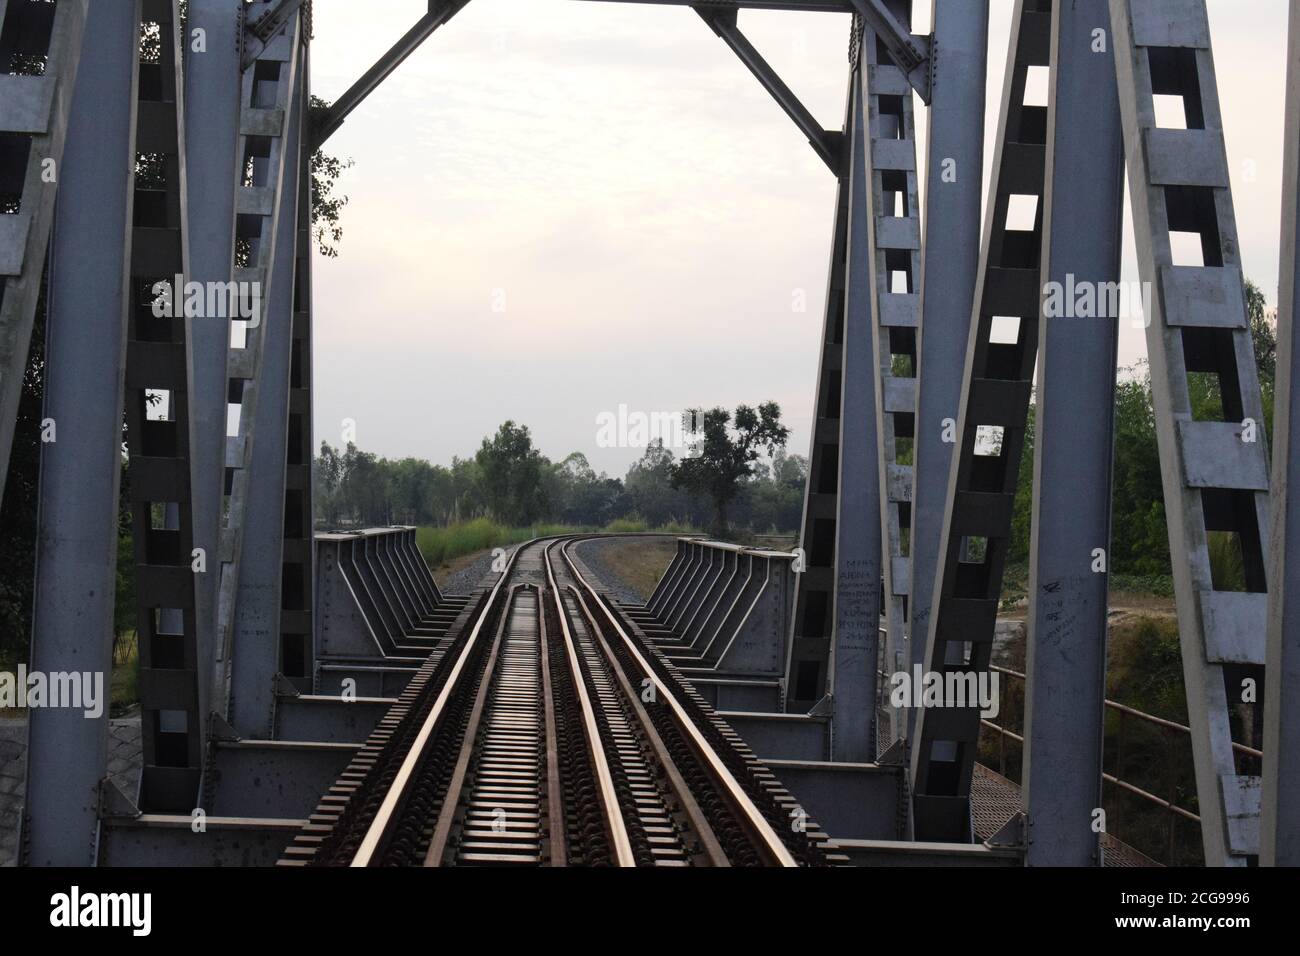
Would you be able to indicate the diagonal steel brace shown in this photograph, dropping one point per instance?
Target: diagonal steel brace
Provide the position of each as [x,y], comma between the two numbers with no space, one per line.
[827,143]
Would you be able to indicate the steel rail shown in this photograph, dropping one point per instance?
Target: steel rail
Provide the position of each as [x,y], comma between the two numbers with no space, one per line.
[397,792]
[620,842]
[704,832]
[469,743]
[559,851]
[762,830]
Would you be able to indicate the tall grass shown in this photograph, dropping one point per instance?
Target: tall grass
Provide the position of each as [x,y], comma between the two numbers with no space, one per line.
[626,525]
[468,537]
[636,524]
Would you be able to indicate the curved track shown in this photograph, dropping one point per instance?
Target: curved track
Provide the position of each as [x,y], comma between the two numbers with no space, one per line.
[548,732]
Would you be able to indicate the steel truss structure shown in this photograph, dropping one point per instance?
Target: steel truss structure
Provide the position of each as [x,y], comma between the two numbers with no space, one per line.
[140,156]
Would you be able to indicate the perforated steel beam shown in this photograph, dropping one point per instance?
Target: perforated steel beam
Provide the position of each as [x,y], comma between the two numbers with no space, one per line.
[949,262]
[1280,823]
[895,266]
[266,193]
[990,431]
[1215,471]
[85,344]
[1083,208]
[256,655]
[157,406]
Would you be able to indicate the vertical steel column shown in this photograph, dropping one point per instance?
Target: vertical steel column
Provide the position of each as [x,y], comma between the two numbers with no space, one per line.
[41,44]
[949,263]
[297,647]
[76,550]
[212,81]
[1083,210]
[256,657]
[855,635]
[268,162]
[895,274]
[1280,801]
[157,404]
[1215,466]
[807,670]
[990,427]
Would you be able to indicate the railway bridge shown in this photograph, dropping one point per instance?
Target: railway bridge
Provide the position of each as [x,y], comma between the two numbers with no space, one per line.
[315,699]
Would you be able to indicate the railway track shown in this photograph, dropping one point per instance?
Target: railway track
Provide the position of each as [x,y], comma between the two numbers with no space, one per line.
[548,732]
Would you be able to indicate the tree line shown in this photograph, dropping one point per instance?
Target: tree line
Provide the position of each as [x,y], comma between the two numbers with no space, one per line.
[509,480]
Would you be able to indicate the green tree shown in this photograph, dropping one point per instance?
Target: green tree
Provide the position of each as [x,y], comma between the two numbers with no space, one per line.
[327,477]
[650,490]
[326,207]
[1264,336]
[1139,534]
[1022,509]
[776,499]
[727,454]
[511,470]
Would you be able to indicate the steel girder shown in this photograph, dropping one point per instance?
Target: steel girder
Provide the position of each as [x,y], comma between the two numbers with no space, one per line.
[910,52]
[297,601]
[856,599]
[212,93]
[85,344]
[158,404]
[266,228]
[1215,472]
[990,430]
[258,639]
[1280,802]
[950,250]
[41,44]
[895,266]
[798,6]
[1083,207]
[807,672]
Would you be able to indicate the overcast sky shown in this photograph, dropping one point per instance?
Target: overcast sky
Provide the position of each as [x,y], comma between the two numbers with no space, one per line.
[558,207]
